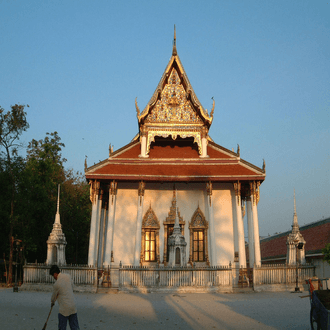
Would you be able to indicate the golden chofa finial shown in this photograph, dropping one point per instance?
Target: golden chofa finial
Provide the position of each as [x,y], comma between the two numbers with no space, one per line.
[137,108]
[212,111]
[174,52]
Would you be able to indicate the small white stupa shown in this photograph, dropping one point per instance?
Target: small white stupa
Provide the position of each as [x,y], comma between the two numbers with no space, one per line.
[295,241]
[177,244]
[56,241]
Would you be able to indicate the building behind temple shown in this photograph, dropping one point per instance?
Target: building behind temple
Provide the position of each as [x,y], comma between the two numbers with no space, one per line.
[282,248]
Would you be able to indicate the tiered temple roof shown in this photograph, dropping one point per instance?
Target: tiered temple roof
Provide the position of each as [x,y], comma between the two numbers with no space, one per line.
[175,124]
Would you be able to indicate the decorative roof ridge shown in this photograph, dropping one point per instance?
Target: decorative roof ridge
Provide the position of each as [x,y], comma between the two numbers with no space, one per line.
[93,167]
[236,154]
[253,166]
[213,144]
[114,154]
[302,228]
[120,150]
[314,224]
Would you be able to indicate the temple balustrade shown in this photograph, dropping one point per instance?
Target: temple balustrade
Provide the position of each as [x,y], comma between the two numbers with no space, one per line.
[39,274]
[175,277]
[280,277]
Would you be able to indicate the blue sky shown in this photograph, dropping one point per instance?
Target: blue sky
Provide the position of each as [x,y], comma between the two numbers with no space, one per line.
[80,65]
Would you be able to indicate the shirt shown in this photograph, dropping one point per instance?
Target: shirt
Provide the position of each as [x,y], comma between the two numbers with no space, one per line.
[63,293]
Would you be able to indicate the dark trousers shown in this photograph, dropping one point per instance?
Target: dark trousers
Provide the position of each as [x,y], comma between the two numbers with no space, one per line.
[63,320]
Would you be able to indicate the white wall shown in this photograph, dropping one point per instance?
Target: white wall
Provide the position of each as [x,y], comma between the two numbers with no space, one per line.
[223,223]
[189,197]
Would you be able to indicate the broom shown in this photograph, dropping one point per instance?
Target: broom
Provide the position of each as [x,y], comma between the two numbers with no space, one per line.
[44,328]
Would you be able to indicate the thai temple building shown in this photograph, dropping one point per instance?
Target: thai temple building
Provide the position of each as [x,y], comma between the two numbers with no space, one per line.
[173,196]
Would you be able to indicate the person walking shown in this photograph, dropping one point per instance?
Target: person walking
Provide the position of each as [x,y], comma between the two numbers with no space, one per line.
[63,293]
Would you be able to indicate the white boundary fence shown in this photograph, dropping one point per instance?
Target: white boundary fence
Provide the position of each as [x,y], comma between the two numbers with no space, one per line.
[281,274]
[39,274]
[265,277]
[176,277]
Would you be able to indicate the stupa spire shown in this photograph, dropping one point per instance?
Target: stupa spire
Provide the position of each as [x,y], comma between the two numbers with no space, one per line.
[56,241]
[57,216]
[295,226]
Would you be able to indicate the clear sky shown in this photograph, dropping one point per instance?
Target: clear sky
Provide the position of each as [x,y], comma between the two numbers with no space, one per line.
[80,65]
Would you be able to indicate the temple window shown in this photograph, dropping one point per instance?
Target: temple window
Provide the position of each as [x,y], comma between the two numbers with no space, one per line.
[198,245]
[150,245]
[198,238]
[150,238]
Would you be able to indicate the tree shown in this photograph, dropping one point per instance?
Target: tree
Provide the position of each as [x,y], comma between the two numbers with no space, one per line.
[44,171]
[75,210]
[326,252]
[12,124]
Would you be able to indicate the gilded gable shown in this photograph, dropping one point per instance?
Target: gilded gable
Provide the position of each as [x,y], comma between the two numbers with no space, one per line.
[173,105]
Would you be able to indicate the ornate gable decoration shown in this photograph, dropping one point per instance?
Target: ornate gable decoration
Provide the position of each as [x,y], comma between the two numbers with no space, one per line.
[173,106]
[198,220]
[150,219]
[174,109]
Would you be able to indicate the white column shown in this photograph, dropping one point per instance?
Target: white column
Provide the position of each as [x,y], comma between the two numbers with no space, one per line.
[49,260]
[97,227]
[213,259]
[240,226]
[100,237]
[93,230]
[204,142]
[111,223]
[139,216]
[104,234]
[257,254]
[143,142]
[204,147]
[235,224]
[250,232]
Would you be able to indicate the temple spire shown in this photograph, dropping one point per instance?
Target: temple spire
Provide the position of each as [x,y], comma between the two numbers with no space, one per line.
[56,241]
[295,226]
[57,216]
[174,52]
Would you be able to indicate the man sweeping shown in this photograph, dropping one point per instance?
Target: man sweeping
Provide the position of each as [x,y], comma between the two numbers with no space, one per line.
[63,293]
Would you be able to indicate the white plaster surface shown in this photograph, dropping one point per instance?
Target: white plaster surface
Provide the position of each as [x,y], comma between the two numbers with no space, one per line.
[189,198]
[29,310]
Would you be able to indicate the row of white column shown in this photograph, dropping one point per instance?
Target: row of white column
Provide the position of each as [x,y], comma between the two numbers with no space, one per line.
[102,229]
[253,231]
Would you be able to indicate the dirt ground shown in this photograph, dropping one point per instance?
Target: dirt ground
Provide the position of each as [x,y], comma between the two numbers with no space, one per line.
[274,310]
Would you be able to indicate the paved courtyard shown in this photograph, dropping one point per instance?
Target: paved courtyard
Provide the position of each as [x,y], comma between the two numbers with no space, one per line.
[277,310]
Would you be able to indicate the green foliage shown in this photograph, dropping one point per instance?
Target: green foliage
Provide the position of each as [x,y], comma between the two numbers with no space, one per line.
[29,186]
[326,252]
[75,210]
[44,171]
[12,124]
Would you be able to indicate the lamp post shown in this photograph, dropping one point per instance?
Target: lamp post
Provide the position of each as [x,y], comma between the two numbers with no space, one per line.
[17,241]
[299,246]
